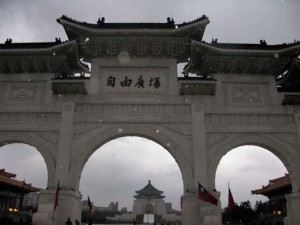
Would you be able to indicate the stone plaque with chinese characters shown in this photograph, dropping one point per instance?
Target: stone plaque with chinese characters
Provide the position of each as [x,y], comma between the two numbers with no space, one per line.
[134,80]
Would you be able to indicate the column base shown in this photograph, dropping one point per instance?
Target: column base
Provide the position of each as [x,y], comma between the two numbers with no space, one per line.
[69,205]
[196,212]
[293,208]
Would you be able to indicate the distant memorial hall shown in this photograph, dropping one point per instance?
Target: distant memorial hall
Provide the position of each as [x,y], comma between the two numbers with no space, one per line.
[230,95]
[149,207]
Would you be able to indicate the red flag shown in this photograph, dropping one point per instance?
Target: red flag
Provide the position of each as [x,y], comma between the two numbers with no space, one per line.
[206,196]
[181,201]
[230,200]
[56,196]
[90,205]
[22,198]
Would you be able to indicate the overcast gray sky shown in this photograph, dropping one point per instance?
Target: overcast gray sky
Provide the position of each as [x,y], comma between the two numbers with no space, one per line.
[237,21]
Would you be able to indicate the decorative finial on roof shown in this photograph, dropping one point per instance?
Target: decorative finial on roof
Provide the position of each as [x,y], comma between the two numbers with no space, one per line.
[101,21]
[8,41]
[214,41]
[263,42]
[149,181]
[170,21]
[57,40]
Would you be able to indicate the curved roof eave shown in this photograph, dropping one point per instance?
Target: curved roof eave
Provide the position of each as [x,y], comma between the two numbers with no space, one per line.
[284,49]
[69,48]
[178,30]
[48,50]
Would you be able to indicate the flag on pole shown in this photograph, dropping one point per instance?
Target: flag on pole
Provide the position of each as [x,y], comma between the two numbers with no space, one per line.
[204,195]
[22,198]
[56,196]
[181,201]
[230,200]
[90,205]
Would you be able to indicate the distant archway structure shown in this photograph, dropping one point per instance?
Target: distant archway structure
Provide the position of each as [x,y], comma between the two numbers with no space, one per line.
[242,94]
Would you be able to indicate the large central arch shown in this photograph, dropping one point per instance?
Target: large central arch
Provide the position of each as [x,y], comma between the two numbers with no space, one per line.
[160,136]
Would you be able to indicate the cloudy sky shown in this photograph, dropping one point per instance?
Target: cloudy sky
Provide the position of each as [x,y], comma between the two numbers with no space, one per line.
[135,160]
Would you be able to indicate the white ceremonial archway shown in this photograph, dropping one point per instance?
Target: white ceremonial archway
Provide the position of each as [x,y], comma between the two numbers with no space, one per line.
[240,94]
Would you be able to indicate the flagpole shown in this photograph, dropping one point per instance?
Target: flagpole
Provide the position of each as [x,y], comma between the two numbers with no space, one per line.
[229,211]
[55,203]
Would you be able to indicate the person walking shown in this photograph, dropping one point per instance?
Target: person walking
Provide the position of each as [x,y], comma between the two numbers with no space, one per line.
[69,222]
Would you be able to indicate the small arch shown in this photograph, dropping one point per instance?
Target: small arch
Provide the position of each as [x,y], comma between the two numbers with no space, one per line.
[251,166]
[26,162]
[39,144]
[282,150]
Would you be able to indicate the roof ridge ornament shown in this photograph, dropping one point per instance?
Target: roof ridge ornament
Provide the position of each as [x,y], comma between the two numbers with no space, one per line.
[102,21]
[170,21]
[8,41]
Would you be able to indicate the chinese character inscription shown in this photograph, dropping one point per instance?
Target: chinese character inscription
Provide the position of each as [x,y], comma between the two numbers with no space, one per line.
[138,83]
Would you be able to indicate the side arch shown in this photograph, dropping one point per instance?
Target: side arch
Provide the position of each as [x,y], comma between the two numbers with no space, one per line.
[44,148]
[102,136]
[284,151]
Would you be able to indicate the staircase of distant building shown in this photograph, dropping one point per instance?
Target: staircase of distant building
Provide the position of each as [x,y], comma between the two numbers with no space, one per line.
[148,219]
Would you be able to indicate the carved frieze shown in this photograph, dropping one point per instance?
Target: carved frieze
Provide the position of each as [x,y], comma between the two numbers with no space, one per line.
[26,92]
[250,123]
[137,108]
[245,94]
[45,108]
[132,113]
[29,121]
[137,47]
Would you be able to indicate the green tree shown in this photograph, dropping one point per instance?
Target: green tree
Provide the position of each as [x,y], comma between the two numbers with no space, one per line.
[242,213]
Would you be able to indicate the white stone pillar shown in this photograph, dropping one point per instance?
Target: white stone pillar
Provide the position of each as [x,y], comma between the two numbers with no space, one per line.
[190,210]
[207,213]
[69,205]
[94,79]
[63,155]
[69,201]
[199,147]
[173,83]
[293,208]
[199,159]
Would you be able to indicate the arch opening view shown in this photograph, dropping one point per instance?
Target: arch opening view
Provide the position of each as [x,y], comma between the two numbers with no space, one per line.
[26,162]
[247,171]
[23,174]
[118,170]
